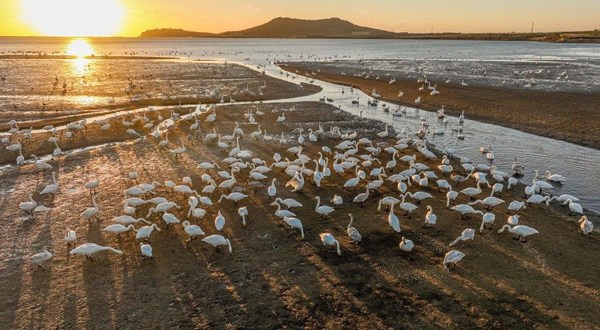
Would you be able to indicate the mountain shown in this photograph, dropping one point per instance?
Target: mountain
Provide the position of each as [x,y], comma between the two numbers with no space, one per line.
[175,33]
[284,27]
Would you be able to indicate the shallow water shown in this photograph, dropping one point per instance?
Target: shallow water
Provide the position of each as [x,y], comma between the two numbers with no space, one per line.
[514,61]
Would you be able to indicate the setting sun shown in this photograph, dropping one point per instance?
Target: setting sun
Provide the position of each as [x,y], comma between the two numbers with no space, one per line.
[74,17]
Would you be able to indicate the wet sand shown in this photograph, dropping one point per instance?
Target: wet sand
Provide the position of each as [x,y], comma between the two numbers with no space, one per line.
[105,86]
[274,279]
[566,116]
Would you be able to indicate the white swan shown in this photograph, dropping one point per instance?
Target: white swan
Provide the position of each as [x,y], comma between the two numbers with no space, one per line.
[555,177]
[323,210]
[451,258]
[51,188]
[162,207]
[467,234]
[472,192]
[486,219]
[490,201]
[28,206]
[70,236]
[289,202]
[40,164]
[337,201]
[297,182]
[88,249]
[537,199]
[118,228]
[353,233]
[41,257]
[272,190]
[586,225]
[573,207]
[515,206]
[243,212]
[91,212]
[217,240]
[513,220]
[282,213]
[219,221]
[235,196]
[406,245]
[146,250]
[128,220]
[170,218]
[361,198]
[146,231]
[408,207]
[465,209]
[521,231]
[329,239]
[192,230]
[393,220]
[430,217]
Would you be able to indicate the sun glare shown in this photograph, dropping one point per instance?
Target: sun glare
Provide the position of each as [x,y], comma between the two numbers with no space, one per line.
[79,48]
[74,17]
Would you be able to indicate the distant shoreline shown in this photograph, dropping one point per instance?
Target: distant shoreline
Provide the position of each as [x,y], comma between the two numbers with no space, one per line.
[544,37]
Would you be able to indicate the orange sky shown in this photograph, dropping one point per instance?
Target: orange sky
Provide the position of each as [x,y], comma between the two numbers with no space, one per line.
[130,17]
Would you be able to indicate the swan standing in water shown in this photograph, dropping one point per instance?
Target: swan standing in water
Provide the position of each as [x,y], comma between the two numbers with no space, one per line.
[451,258]
[328,239]
[573,207]
[353,233]
[88,249]
[521,231]
[41,257]
[216,241]
[467,234]
[555,177]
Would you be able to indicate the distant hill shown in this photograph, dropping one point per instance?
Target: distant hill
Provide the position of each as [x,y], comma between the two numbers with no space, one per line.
[174,33]
[284,27]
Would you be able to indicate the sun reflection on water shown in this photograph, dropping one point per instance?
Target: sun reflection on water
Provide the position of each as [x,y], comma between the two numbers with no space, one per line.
[81,49]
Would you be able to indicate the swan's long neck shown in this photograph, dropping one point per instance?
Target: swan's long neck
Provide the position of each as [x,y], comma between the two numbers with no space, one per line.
[351,221]
[337,246]
[318,203]
[229,245]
